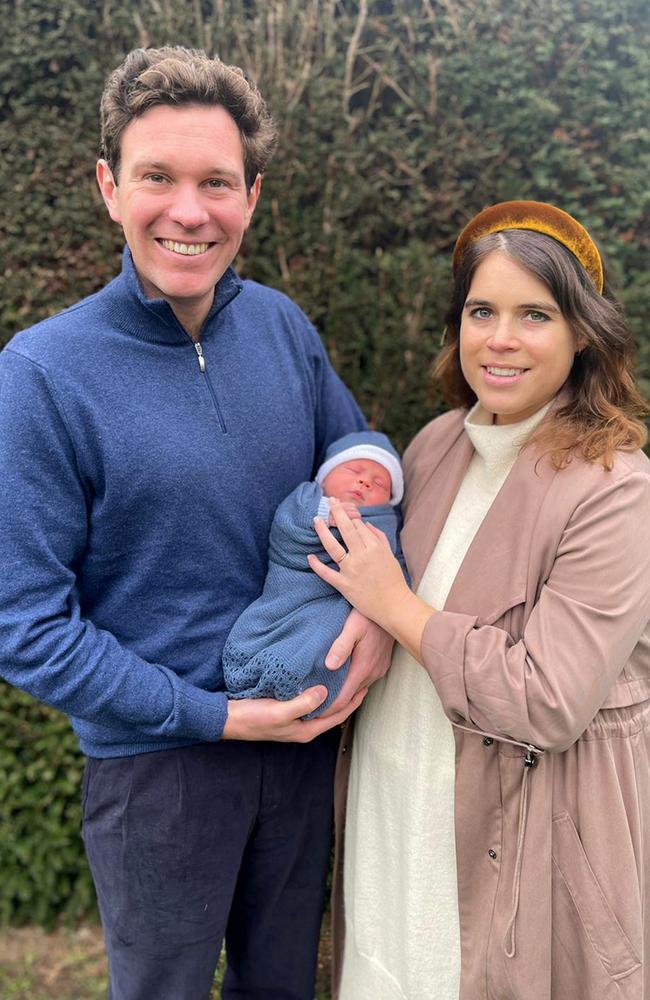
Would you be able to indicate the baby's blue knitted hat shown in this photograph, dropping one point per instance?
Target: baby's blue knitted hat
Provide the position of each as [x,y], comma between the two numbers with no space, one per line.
[365,444]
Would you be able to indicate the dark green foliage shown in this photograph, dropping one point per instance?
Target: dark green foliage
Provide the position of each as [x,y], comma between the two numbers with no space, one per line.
[399,119]
[41,857]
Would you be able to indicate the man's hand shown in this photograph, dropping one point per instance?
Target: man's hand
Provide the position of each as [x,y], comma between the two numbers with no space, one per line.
[268,719]
[370,648]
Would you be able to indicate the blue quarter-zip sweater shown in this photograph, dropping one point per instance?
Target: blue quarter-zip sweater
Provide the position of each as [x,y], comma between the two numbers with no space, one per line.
[139,477]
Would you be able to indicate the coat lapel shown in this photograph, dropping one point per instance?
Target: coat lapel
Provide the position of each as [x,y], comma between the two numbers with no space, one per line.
[484,584]
[434,492]
[494,574]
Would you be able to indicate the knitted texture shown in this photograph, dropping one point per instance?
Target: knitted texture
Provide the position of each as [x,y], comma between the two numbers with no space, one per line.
[277,647]
[138,492]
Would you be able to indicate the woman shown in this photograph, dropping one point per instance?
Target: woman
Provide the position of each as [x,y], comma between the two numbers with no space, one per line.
[527,519]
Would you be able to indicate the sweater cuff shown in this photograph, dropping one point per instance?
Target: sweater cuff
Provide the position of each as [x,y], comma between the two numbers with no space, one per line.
[323,509]
[200,715]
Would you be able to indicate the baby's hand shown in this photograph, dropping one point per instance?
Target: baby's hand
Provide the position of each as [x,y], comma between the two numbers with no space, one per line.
[350,509]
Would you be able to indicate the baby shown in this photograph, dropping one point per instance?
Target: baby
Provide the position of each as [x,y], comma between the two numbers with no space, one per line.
[277,646]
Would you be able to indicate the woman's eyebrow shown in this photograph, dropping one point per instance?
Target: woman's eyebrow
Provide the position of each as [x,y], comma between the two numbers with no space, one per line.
[539,306]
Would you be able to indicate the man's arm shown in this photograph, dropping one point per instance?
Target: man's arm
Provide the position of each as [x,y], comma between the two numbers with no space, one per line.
[336,412]
[47,646]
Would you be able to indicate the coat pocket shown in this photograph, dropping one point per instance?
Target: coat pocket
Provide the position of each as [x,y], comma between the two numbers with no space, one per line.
[605,934]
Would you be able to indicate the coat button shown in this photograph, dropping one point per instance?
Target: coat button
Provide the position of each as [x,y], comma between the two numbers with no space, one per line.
[344,748]
[492,854]
[487,741]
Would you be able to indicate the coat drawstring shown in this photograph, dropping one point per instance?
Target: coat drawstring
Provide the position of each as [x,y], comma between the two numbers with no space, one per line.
[530,758]
[510,946]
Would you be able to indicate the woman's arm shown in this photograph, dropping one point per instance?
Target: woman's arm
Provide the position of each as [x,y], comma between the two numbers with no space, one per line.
[591,612]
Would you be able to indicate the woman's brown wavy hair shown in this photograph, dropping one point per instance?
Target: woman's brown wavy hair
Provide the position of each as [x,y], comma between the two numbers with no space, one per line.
[604,411]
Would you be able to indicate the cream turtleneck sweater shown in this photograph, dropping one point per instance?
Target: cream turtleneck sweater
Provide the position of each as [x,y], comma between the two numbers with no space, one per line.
[402,933]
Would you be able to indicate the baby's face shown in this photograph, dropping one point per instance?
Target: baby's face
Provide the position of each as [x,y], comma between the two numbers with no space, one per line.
[360,481]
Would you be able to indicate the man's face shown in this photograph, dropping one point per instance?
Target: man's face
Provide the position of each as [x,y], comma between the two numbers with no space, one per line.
[182,202]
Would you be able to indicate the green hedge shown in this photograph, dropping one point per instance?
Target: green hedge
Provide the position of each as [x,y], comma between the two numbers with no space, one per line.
[399,119]
[43,870]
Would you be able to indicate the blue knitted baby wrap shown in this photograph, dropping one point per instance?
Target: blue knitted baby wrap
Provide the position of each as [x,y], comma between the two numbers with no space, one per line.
[277,646]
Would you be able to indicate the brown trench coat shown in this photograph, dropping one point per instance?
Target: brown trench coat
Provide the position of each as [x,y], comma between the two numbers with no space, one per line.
[544,640]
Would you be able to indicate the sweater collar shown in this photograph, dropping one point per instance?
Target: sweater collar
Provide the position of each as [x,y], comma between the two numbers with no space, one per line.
[499,444]
[154,319]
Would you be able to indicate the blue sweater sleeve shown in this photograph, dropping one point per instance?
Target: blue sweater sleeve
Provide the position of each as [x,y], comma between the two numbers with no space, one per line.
[47,647]
[336,412]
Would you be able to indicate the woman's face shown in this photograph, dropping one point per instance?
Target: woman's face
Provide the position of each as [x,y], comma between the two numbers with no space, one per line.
[516,347]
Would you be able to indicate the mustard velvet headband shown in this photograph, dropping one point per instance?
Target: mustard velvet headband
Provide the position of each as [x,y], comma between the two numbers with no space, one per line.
[541,218]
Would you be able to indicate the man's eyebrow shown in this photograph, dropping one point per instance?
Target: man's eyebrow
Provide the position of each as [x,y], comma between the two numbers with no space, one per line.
[166,168]
[150,165]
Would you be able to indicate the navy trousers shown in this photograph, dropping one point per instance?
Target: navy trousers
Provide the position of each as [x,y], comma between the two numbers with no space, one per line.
[192,846]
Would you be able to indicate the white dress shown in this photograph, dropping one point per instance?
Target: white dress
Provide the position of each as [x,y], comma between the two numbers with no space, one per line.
[401,914]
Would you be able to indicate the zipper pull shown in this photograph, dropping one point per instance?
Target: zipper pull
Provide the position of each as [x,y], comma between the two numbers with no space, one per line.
[199,351]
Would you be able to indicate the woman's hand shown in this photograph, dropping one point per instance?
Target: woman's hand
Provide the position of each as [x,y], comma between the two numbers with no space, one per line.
[366,556]
[370,578]
[350,509]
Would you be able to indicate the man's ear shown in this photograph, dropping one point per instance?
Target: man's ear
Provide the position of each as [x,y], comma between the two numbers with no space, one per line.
[108,188]
[252,197]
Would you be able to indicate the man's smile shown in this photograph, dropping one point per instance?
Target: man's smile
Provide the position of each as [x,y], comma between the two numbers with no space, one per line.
[186,249]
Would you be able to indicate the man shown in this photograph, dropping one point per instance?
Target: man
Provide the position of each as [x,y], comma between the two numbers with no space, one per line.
[147,435]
